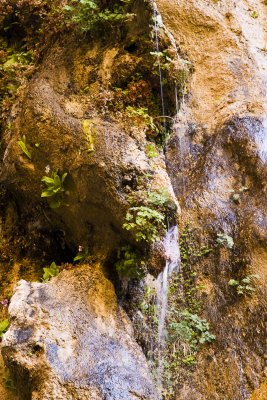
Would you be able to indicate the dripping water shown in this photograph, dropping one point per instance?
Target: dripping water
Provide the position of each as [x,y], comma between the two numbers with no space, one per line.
[172,264]
[171,240]
[172,257]
[157,24]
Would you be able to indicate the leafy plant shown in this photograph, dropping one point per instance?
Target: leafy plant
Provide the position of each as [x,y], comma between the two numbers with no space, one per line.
[245,286]
[50,272]
[82,254]
[189,360]
[151,150]
[22,144]
[191,329]
[165,60]
[129,263]
[3,326]
[55,188]
[88,14]
[142,113]
[147,215]
[146,222]
[225,240]
[15,59]
[190,249]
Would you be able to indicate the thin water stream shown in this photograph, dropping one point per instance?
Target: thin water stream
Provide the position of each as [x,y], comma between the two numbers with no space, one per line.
[158,24]
[172,257]
[171,240]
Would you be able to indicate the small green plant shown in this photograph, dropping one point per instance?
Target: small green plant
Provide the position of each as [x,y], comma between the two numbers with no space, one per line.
[165,60]
[129,263]
[146,223]
[225,240]
[142,112]
[190,249]
[3,327]
[254,14]
[191,329]
[54,189]
[23,145]
[50,272]
[245,286]
[151,150]
[187,332]
[89,14]
[15,59]
[147,216]
[189,360]
[82,254]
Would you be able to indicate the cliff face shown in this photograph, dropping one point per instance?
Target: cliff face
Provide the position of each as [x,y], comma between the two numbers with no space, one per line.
[223,148]
[92,109]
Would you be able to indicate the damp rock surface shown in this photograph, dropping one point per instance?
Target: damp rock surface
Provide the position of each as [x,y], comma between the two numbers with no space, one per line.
[217,164]
[69,339]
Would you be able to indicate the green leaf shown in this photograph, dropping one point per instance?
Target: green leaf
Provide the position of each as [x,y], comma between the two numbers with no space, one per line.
[3,326]
[47,193]
[81,256]
[64,177]
[47,180]
[22,145]
[233,282]
[50,272]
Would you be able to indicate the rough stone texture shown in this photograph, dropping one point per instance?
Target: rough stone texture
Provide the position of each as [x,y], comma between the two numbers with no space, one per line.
[104,162]
[220,147]
[69,340]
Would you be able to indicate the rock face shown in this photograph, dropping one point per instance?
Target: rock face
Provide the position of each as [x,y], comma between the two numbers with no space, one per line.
[217,162]
[69,340]
[75,133]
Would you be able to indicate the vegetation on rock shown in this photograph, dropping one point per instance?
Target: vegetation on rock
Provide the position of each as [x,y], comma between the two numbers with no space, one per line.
[54,189]
[147,215]
[90,15]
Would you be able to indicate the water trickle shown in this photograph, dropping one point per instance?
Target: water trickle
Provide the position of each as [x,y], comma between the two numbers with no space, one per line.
[157,25]
[171,240]
[179,103]
[172,257]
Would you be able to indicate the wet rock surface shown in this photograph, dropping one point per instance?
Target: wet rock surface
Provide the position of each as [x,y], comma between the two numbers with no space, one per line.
[217,164]
[69,339]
